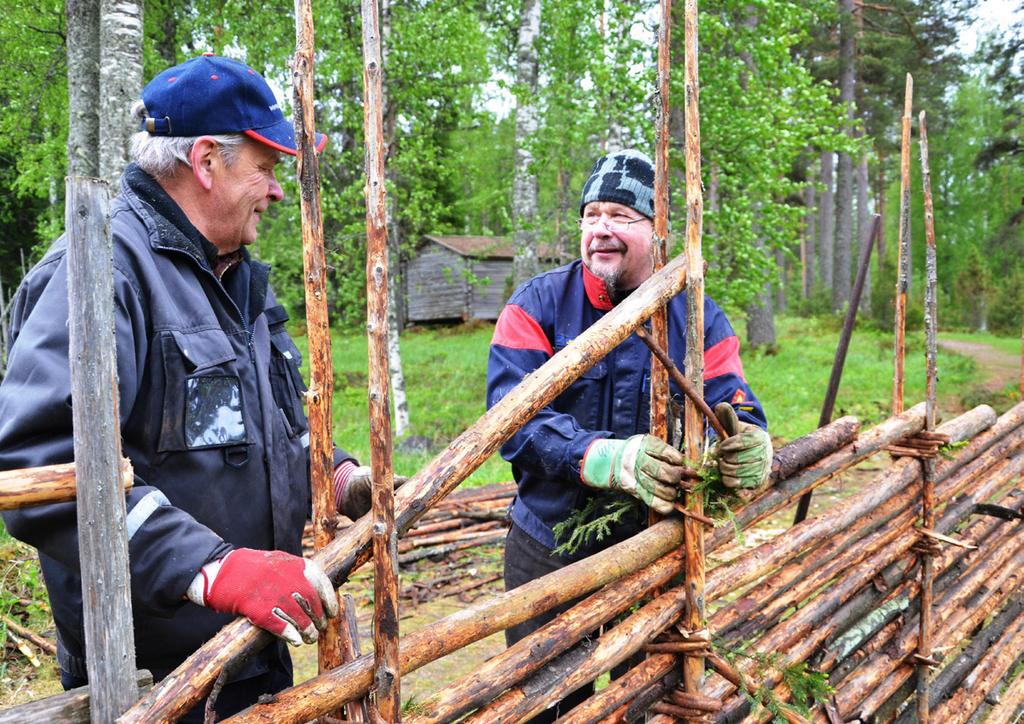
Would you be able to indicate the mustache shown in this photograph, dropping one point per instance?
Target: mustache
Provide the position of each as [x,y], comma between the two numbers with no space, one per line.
[599,245]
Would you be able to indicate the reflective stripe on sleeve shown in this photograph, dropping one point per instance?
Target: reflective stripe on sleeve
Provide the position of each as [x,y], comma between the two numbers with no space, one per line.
[143,509]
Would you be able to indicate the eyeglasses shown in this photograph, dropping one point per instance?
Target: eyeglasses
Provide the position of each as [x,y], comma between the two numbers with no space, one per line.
[619,223]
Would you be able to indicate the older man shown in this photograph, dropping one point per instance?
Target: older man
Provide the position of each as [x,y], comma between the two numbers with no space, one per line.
[590,444]
[211,403]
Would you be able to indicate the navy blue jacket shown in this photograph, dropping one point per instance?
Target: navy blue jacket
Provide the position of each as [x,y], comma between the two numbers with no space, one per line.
[612,399]
[211,417]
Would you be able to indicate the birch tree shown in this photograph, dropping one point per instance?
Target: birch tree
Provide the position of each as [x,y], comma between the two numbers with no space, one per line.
[120,82]
[826,220]
[83,57]
[395,297]
[841,285]
[524,184]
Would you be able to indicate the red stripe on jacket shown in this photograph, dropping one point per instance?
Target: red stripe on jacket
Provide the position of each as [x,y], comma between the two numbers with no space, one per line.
[723,358]
[516,329]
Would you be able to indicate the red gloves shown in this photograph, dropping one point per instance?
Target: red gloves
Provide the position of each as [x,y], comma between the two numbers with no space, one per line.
[279,592]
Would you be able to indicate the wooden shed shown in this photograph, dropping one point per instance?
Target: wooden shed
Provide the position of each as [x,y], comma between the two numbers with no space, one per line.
[459,277]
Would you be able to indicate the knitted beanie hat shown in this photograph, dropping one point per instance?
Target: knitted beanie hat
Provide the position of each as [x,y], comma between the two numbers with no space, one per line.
[623,177]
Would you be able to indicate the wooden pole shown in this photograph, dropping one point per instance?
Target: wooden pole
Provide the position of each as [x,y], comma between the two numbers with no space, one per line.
[318,331]
[47,484]
[693,428]
[102,543]
[387,686]
[659,322]
[931,322]
[903,257]
[844,345]
[70,707]
[180,690]
[474,622]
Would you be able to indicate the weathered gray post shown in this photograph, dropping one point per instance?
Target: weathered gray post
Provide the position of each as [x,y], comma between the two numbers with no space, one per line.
[103,546]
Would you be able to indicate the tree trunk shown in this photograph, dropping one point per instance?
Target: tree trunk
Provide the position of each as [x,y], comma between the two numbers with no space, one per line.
[864,225]
[83,41]
[760,314]
[782,265]
[826,221]
[396,307]
[524,182]
[844,182]
[120,82]
[809,236]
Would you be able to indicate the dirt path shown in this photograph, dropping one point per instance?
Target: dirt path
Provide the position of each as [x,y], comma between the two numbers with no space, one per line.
[998,368]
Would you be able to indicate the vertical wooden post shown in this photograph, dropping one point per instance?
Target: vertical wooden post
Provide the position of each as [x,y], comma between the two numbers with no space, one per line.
[693,541]
[903,258]
[387,698]
[321,369]
[659,322]
[931,326]
[102,544]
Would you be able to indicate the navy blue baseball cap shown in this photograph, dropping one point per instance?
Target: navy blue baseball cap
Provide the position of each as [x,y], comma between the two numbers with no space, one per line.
[211,95]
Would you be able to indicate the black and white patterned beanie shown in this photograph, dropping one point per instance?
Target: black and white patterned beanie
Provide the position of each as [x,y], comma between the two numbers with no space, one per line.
[623,177]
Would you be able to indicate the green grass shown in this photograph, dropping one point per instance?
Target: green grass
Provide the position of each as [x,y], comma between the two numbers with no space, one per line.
[792,382]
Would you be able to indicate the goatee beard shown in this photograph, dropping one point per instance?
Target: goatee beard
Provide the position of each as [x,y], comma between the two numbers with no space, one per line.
[612,284]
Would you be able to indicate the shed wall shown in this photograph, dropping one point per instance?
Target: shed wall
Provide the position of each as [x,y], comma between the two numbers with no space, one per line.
[487,299]
[436,285]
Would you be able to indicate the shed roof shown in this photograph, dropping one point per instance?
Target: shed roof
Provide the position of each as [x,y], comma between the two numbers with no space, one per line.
[484,247]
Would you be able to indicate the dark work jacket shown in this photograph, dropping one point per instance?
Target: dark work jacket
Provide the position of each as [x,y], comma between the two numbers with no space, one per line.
[611,399]
[211,417]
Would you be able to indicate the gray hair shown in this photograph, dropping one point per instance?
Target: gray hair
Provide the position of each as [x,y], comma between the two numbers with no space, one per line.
[159,156]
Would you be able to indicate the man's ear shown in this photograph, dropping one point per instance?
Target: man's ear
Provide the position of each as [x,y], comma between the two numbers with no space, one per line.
[205,160]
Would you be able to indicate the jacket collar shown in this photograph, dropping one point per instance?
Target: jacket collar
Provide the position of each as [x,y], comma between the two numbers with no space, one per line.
[597,293]
[170,229]
[173,229]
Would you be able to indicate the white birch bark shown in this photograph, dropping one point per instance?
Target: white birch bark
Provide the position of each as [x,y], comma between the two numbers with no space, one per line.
[120,82]
[864,226]
[83,49]
[524,181]
[842,275]
[395,296]
[826,220]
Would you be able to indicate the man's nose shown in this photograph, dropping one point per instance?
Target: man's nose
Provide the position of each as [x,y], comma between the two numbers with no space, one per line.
[274,191]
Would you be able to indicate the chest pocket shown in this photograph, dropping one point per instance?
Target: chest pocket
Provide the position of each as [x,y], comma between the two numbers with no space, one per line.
[203,405]
[586,398]
[285,377]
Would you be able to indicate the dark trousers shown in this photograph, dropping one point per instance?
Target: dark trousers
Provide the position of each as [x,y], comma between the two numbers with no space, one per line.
[233,698]
[525,560]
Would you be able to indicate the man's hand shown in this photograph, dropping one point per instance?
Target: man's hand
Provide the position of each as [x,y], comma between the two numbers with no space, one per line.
[745,457]
[641,465]
[353,489]
[279,592]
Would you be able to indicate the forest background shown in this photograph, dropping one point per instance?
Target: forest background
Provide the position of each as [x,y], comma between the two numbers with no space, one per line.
[496,109]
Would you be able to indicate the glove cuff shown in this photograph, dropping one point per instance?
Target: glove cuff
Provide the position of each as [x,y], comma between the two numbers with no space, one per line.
[199,589]
[342,474]
[598,465]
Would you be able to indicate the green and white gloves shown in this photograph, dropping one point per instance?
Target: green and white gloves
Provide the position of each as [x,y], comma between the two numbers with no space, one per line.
[641,465]
[745,456]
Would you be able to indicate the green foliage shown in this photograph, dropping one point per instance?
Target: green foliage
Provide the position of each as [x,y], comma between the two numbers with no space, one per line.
[806,685]
[592,523]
